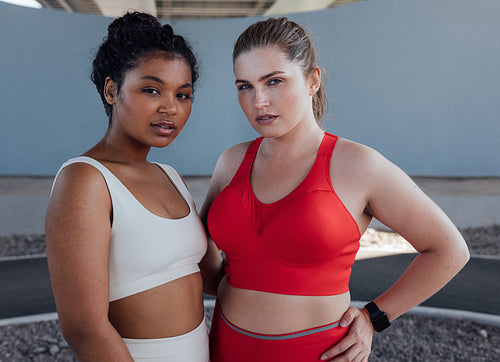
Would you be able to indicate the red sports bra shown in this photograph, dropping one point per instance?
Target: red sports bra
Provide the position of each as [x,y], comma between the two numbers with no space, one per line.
[303,244]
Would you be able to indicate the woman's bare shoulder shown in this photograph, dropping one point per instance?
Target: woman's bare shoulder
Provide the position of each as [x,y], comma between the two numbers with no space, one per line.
[80,186]
[228,163]
[79,176]
[235,154]
[371,170]
[356,155]
[225,169]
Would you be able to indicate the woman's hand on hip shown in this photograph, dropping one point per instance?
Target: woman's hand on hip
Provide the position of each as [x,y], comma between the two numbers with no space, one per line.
[356,345]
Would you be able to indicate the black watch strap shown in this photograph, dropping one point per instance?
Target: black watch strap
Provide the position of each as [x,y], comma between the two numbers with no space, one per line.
[377,317]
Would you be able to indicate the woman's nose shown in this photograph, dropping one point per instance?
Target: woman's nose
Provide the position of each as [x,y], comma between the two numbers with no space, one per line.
[168,105]
[261,99]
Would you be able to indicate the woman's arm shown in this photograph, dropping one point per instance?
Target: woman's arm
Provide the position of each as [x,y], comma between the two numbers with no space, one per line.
[212,265]
[78,228]
[395,200]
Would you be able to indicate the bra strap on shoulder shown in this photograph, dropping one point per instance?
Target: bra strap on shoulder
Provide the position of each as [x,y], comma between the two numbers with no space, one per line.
[246,163]
[254,146]
[108,175]
[328,144]
[326,152]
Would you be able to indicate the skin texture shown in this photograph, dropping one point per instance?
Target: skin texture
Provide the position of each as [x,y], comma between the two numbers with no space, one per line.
[79,218]
[369,186]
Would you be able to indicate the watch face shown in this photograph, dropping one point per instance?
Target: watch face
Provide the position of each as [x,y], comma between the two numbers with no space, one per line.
[377,317]
[381,322]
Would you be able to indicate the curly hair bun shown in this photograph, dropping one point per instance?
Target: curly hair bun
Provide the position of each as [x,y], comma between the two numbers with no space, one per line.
[130,37]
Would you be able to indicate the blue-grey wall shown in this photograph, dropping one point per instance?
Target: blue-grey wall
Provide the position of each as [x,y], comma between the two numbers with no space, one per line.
[417,80]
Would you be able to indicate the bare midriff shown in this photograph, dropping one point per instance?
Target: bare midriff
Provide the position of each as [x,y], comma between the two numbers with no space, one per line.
[169,310]
[270,313]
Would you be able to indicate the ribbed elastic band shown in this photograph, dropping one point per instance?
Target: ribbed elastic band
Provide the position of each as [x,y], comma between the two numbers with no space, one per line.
[279,337]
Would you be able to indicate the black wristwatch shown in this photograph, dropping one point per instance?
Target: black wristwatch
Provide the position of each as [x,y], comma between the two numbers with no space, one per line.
[377,317]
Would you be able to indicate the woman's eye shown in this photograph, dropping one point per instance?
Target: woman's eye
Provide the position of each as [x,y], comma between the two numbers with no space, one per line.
[274,81]
[185,96]
[244,87]
[151,91]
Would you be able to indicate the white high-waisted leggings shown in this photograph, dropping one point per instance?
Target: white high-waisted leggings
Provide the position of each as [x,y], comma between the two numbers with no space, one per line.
[192,347]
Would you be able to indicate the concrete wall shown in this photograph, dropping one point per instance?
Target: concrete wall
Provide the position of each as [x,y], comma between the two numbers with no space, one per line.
[417,80]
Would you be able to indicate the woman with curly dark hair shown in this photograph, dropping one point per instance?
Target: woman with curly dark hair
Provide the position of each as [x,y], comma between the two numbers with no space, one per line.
[123,236]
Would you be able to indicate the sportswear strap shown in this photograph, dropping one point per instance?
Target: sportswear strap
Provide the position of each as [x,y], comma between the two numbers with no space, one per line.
[109,177]
[328,144]
[254,146]
[247,162]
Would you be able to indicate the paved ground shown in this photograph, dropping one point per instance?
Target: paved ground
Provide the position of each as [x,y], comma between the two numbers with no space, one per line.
[25,287]
[469,202]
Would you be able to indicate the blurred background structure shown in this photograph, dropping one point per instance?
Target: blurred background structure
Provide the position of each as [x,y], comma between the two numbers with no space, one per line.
[416,80]
[191,9]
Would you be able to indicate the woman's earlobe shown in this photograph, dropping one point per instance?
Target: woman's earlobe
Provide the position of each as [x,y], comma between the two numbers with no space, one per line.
[110,90]
[315,81]
[314,89]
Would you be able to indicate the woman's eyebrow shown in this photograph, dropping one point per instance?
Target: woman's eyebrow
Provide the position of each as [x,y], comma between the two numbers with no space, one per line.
[159,80]
[152,77]
[186,85]
[264,77]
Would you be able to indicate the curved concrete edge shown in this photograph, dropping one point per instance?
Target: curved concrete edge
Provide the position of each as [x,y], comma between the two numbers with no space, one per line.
[29,319]
[487,257]
[480,318]
[22,257]
[433,312]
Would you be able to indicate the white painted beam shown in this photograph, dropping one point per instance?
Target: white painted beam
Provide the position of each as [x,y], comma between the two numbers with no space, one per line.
[297,6]
[113,8]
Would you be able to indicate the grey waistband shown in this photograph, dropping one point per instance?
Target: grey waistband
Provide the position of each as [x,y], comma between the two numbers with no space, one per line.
[279,337]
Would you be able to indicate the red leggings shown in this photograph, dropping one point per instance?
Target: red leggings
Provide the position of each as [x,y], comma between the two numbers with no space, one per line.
[228,343]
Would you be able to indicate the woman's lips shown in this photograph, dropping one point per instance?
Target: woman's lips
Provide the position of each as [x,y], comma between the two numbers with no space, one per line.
[164,128]
[265,119]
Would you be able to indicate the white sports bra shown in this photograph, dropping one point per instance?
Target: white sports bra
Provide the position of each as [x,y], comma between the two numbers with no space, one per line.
[147,250]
